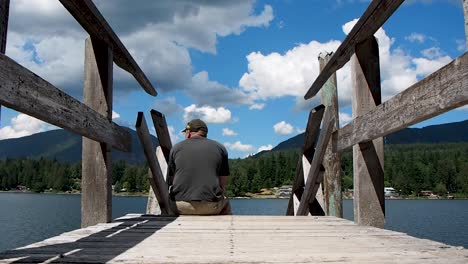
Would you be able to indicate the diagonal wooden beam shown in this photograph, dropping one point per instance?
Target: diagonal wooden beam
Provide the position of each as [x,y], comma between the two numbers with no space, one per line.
[156,177]
[367,53]
[314,178]
[160,125]
[89,17]
[310,137]
[162,154]
[24,91]
[444,90]
[373,18]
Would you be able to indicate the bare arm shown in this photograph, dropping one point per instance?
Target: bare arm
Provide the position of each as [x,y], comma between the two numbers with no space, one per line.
[223,181]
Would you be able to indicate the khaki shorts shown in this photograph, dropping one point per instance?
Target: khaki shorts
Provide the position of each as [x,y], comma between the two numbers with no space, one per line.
[222,207]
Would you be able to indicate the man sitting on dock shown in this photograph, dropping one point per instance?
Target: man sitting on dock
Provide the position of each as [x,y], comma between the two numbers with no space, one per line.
[198,172]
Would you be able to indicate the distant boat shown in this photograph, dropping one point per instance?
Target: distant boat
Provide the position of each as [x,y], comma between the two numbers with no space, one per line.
[390,192]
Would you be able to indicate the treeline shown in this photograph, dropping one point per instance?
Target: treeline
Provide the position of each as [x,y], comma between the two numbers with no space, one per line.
[50,175]
[409,169]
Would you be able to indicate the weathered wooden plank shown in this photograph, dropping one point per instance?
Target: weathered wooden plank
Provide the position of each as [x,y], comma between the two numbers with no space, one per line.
[96,178]
[238,242]
[332,160]
[24,91]
[310,137]
[313,179]
[465,15]
[164,138]
[373,18]
[438,93]
[367,207]
[156,177]
[316,206]
[162,154]
[152,206]
[89,17]
[4,14]
[375,170]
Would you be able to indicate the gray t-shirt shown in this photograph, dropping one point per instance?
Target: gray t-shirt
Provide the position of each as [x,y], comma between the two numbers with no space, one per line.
[195,165]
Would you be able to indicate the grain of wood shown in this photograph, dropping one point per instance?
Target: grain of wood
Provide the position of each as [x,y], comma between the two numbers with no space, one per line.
[333,204]
[262,242]
[368,208]
[96,179]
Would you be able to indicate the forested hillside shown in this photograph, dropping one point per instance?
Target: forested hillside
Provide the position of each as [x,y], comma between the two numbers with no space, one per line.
[408,168]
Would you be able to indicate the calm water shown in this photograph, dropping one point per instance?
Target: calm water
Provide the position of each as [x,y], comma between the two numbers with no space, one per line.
[26,218]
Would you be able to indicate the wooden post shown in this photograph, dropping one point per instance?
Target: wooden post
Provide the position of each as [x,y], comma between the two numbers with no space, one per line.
[162,154]
[96,181]
[4,13]
[331,161]
[367,201]
[465,13]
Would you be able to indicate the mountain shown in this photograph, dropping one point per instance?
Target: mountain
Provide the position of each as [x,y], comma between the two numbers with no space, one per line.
[444,133]
[64,146]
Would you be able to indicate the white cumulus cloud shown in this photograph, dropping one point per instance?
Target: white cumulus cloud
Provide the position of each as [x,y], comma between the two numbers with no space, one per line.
[23,125]
[283,128]
[266,147]
[276,75]
[229,132]
[416,37]
[207,113]
[291,74]
[257,107]
[238,146]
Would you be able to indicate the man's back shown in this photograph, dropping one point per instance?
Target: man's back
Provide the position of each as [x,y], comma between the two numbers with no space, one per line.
[196,164]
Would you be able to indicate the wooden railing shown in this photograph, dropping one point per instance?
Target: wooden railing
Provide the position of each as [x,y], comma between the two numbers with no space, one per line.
[24,91]
[318,167]
[444,90]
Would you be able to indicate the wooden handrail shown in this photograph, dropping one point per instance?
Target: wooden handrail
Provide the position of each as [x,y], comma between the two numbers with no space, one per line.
[89,17]
[24,91]
[443,90]
[373,18]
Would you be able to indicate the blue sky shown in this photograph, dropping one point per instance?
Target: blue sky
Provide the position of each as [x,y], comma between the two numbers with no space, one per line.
[242,66]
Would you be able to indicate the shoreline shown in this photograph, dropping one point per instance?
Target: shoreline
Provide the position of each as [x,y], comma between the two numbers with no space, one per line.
[252,196]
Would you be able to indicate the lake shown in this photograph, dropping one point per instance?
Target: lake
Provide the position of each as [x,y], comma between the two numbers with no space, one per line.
[26,218]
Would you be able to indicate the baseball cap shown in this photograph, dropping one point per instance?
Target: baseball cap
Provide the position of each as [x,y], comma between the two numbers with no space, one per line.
[196,125]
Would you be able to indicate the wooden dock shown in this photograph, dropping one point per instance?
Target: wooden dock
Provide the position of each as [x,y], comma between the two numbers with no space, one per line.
[234,239]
